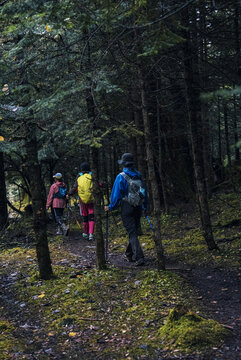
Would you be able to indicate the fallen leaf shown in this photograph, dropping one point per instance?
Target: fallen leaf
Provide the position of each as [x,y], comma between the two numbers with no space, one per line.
[51,334]
[72,333]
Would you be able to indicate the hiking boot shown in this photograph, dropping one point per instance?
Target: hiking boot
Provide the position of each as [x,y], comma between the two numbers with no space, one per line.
[85,236]
[140,262]
[91,237]
[59,231]
[65,229]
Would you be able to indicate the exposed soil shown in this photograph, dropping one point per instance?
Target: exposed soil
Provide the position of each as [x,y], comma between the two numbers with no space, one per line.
[219,292]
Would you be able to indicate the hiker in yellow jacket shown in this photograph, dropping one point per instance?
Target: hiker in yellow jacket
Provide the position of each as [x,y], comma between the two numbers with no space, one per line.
[83,185]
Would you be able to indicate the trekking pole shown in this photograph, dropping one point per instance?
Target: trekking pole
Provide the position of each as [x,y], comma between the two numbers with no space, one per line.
[77,222]
[68,219]
[106,236]
[106,230]
[150,223]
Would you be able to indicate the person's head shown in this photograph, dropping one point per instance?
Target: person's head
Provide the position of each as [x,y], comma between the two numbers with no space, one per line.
[57,177]
[84,167]
[127,160]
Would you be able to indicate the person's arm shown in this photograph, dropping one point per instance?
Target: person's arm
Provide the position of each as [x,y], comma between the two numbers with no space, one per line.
[119,190]
[50,197]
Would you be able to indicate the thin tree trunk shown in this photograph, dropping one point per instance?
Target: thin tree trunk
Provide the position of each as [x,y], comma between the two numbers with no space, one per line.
[3,196]
[152,176]
[94,157]
[237,41]
[226,129]
[98,209]
[38,204]
[160,161]
[100,247]
[204,82]
[236,135]
[219,135]
[192,83]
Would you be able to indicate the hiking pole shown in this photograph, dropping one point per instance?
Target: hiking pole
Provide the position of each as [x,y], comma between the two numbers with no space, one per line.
[68,220]
[150,223]
[74,217]
[106,229]
[106,235]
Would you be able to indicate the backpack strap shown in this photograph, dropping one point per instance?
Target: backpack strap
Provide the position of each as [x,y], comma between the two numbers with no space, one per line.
[125,176]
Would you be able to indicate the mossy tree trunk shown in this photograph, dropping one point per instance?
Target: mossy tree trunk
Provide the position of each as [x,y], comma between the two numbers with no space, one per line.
[192,82]
[3,196]
[38,203]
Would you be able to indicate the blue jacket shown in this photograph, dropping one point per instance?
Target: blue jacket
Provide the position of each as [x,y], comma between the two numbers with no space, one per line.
[120,189]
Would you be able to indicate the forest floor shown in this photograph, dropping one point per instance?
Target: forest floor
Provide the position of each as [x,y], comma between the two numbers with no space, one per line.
[119,313]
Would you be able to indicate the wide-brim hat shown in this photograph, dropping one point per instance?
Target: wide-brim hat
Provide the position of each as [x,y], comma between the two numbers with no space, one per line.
[58,176]
[126,159]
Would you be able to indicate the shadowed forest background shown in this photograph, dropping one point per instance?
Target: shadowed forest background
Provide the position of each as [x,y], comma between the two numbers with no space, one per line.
[90,80]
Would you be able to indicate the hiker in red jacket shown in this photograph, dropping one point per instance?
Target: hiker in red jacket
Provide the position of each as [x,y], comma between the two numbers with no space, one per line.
[57,199]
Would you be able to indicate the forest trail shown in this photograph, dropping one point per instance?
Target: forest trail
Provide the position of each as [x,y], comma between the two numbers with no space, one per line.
[218,290]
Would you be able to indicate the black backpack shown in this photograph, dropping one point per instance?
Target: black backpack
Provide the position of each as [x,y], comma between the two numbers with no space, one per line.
[136,191]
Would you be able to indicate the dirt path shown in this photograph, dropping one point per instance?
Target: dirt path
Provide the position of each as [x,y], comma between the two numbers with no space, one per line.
[218,290]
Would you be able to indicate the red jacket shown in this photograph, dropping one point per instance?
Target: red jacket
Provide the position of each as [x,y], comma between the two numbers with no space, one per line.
[56,203]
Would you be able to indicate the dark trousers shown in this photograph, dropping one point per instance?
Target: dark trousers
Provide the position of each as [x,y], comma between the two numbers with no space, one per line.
[131,217]
[58,212]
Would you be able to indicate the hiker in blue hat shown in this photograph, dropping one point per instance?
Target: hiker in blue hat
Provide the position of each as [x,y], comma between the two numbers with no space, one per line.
[129,191]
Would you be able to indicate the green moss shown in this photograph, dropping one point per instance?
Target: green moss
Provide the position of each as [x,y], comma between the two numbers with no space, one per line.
[7,341]
[188,331]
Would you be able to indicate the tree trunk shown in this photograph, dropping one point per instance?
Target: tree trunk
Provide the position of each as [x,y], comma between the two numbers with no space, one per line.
[100,248]
[3,196]
[160,161]
[152,176]
[94,156]
[204,84]
[226,129]
[192,83]
[38,204]
[98,209]
[236,134]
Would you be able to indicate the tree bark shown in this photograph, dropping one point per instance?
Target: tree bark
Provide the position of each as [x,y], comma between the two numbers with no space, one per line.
[152,176]
[236,133]
[38,204]
[160,160]
[192,82]
[226,129]
[3,196]
[100,247]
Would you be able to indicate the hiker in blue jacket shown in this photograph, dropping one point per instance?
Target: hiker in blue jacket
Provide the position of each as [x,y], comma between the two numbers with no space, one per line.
[132,203]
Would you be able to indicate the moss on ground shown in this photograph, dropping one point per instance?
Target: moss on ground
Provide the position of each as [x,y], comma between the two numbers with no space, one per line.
[126,312]
[8,342]
[189,332]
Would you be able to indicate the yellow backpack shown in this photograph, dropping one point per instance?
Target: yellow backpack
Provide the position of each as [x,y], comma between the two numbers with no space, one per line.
[85,185]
